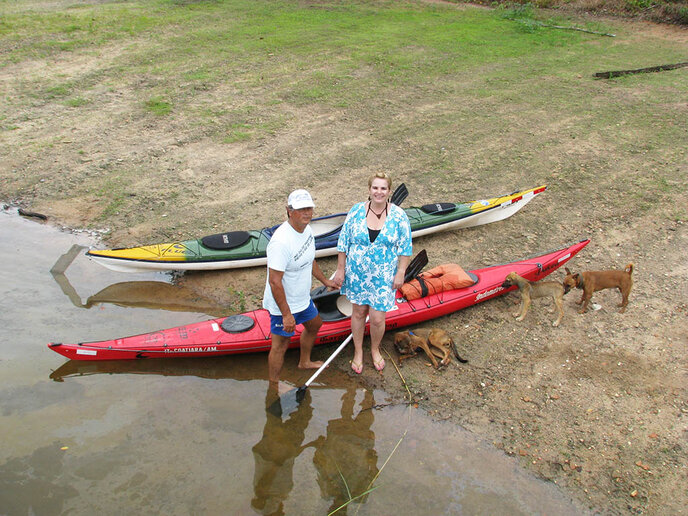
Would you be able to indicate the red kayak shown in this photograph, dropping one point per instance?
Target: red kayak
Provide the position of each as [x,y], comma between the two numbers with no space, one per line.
[250,332]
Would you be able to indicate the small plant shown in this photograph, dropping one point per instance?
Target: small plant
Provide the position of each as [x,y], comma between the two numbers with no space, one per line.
[158,106]
[515,12]
[236,136]
[77,102]
[61,90]
[241,299]
[636,5]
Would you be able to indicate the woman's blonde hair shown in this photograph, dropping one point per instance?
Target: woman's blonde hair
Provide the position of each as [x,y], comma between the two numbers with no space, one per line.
[380,175]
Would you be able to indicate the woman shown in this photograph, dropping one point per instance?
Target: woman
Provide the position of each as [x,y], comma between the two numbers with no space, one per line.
[374,250]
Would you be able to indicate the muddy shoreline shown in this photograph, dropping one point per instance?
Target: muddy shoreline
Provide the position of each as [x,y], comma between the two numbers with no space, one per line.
[151,134]
[596,406]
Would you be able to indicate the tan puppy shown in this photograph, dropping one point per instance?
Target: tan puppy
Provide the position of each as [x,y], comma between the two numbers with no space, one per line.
[532,289]
[435,342]
[592,281]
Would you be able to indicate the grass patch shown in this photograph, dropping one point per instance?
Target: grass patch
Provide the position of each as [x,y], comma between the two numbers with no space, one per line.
[236,135]
[76,102]
[158,106]
[113,197]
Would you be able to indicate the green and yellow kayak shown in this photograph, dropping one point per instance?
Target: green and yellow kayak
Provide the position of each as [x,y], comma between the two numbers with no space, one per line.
[237,249]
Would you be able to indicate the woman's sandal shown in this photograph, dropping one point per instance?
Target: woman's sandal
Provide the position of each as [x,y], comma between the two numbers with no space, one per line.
[379,365]
[356,368]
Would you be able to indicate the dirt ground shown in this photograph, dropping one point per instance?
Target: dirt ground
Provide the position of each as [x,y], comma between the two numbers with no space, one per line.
[598,405]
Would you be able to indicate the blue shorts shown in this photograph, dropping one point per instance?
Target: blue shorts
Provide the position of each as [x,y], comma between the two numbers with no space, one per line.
[304,316]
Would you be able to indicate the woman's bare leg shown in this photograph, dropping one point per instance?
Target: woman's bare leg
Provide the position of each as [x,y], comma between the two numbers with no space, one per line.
[377,331]
[358,322]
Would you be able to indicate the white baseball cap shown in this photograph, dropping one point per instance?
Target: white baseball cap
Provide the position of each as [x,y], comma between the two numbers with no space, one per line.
[299,199]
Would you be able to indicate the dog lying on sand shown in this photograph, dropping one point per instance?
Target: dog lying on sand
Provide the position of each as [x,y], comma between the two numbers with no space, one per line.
[592,281]
[434,341]
[534,289]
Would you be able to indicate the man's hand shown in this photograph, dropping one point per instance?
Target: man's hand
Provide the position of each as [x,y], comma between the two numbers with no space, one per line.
[288,323]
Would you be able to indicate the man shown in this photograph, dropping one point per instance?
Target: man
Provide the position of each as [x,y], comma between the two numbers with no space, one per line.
[291,263]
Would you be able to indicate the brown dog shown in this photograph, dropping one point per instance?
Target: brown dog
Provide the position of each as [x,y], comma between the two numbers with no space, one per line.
[592,281]
[435,342]
[532,289]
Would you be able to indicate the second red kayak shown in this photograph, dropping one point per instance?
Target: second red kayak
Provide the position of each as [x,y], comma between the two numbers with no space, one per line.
[250,332]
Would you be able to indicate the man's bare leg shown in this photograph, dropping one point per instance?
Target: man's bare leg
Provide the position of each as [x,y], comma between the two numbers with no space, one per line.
[310,331]
[276,357]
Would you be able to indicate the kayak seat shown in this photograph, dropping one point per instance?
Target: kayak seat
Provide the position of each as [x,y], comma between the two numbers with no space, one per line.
[237,323]
[326,303]
[228,240]
[438,208]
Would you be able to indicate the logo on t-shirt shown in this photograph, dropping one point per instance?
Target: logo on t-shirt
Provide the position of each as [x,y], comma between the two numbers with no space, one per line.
[306,245]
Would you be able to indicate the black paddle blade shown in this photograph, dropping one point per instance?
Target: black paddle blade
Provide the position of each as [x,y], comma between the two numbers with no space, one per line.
[275,408]
[287,402]
[301,393]
[399,194]
[416,266]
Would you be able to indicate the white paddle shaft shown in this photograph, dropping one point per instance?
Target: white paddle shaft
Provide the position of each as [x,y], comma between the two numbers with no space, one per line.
[326,363]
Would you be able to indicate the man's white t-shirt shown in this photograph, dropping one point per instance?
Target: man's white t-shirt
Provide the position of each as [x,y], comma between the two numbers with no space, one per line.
[293,253]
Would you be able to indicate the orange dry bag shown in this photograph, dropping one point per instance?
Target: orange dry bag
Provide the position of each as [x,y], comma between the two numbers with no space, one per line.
[448,276]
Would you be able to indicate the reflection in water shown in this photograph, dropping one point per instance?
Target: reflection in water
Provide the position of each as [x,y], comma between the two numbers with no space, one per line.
[346,459]
[156,295]
[242,368]
[30,485]
[276,452]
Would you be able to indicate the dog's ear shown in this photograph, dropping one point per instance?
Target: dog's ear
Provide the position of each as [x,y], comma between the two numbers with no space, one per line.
[567,270]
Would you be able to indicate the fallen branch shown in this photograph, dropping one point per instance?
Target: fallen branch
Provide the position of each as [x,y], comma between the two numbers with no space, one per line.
[399,373]
[578,29]
[619,73]
[32,214]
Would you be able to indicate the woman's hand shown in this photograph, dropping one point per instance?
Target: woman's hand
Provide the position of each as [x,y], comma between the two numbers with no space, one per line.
[330,284]
[398,280]
[338,278]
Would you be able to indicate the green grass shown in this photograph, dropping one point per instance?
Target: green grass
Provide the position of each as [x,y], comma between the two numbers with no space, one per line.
[112,196]
[240,70]
[77,102]
[158,106]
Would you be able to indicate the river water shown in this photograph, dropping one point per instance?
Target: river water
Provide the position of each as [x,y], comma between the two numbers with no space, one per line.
[192,436]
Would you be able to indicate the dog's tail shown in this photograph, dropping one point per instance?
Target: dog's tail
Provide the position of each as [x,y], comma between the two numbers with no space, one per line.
[456,352]
[629,268]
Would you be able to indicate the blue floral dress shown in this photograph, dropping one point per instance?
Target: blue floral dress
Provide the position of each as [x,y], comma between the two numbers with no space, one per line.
[370,268]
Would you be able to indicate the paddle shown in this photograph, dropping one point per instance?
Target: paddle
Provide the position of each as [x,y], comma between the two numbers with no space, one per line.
[301,391]
[414,268]
[399,194]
